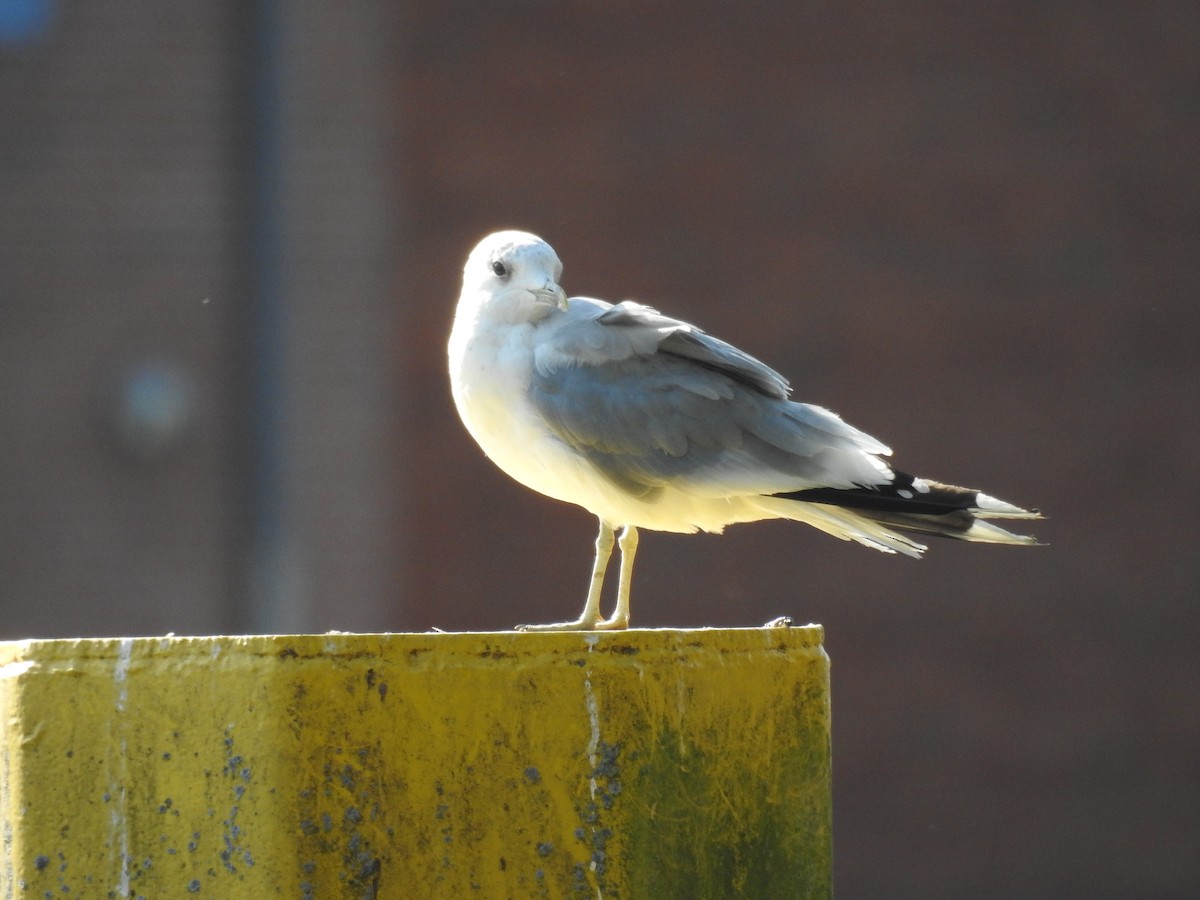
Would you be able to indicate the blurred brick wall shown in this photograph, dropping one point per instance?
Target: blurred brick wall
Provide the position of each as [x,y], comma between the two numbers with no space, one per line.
[124,274]
[114,260]
[970,229]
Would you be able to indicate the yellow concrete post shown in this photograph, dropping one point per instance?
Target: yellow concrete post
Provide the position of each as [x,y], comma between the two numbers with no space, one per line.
[659,764]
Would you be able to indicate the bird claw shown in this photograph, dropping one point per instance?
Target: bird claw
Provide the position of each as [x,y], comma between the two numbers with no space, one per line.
[613,624]
[558,626]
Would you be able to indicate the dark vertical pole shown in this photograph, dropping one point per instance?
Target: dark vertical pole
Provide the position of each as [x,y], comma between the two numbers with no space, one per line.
[258,315]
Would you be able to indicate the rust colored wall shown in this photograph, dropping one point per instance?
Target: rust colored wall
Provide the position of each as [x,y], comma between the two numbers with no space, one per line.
[970,230]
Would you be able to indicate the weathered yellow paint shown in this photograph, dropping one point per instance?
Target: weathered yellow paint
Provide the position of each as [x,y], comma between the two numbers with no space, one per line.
[661,764]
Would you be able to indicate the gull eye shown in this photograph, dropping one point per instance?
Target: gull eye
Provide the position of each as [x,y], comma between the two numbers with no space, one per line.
[499,268]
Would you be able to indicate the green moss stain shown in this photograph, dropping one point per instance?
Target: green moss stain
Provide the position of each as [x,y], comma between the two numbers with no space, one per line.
[702,826]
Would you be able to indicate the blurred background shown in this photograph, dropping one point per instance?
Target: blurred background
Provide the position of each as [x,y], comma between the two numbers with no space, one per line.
[231,236]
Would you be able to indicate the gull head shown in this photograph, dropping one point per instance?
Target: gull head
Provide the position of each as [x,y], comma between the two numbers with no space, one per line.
[515,275]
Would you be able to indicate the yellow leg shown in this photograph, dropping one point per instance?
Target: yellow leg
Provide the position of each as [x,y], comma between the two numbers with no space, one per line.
[620,616]
[590,618]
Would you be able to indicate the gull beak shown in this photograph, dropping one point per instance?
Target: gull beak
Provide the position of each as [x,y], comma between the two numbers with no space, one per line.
[552,292]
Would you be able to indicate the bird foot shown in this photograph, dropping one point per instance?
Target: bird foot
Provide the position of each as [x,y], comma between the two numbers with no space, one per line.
[616,623]
[558,626]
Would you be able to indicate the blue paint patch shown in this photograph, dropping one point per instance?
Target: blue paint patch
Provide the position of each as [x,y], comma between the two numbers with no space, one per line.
[24,21]
[234,852]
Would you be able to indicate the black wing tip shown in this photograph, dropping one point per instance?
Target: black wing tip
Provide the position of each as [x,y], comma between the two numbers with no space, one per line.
[909,495]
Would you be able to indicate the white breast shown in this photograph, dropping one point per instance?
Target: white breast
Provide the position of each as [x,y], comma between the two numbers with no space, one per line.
[490,372]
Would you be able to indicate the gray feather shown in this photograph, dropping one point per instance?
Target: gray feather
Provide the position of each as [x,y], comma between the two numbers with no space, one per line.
[651,401]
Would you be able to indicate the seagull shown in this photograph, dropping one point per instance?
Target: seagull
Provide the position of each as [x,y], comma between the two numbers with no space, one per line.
[648,422]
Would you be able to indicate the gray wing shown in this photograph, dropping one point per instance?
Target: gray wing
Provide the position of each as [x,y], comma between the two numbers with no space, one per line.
[687,341]
[652,401]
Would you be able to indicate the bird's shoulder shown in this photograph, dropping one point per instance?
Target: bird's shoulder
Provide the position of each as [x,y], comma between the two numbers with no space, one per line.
[595,333]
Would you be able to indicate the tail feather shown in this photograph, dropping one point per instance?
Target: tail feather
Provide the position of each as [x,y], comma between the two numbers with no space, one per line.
[846,524]
[962,525]
[909,504]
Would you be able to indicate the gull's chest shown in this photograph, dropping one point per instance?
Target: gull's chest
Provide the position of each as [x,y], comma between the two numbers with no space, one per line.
[490,374]
[490,377]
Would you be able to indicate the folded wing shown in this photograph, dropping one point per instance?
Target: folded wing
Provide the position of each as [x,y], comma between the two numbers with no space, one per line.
[651,400]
